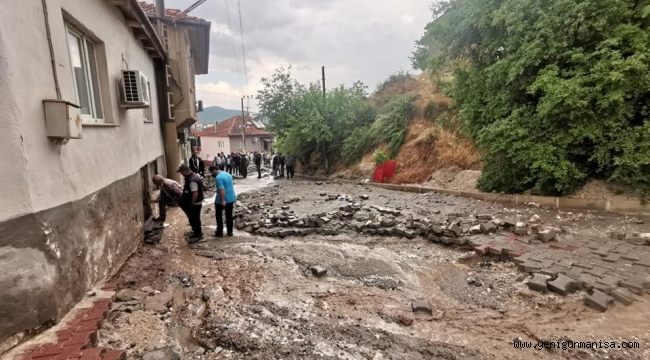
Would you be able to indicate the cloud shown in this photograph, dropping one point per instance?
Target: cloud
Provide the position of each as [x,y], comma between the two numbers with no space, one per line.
[363,40]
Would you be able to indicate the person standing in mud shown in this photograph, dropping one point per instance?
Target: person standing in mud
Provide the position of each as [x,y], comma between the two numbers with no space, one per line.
[243,165]
[274,162]
[235,164]
[170,194]
[281,163]
[258,164]
[290,162]
[224,200]
[192,201]
[196,165]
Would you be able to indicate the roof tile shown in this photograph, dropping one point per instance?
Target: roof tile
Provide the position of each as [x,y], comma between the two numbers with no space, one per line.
[232,127]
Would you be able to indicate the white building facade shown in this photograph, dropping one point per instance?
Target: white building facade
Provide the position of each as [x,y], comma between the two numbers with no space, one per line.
[72,210]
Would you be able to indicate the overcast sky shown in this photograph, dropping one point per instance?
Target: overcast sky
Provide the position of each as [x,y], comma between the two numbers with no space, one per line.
[363,40]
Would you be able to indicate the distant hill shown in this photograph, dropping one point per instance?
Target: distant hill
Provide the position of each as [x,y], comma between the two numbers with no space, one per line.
[212,114]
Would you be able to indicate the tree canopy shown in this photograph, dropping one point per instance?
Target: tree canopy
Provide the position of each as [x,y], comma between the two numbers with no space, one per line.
[305,122]
[553,92]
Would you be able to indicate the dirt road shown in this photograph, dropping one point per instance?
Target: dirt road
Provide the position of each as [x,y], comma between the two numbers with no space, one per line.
[383,297]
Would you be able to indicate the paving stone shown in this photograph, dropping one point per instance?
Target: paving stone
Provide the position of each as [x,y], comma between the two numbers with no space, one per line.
[475,230]
[521,231]
[460,241]
[550,272]
[484,217]
[495,249]
[538,282]
[602,251]
[546,235]
[562,284]
[596,271]
[587,281]
[636,240]
[622,295]
[488,227]
[482,249]
[598,300]
[422,307]
[612,257]
[566,263]
[635,284]
[631,256]
[530,266]
[318,271]
[644,261]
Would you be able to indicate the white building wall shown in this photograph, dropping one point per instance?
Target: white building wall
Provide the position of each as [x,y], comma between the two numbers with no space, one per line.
[210,147]
[38,174]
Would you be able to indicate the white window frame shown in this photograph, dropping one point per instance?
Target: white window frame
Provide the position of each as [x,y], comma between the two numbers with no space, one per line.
[91,118]
[221,144]
[148,111]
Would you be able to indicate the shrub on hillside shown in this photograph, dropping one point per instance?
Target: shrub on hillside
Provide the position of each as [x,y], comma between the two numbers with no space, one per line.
[553,92]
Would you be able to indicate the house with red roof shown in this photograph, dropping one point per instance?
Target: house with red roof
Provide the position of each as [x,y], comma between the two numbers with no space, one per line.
[234,135]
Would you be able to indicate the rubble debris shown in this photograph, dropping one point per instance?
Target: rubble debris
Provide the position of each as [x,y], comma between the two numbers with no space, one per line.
[161,354]
[421,307]
[598,300]
[318,271]
[129,294]
[538,282]
[405,320]
[562,284]
[488,227]
[546,235]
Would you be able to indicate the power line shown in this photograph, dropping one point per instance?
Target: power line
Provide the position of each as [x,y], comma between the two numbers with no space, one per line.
[243,42]
[232,38]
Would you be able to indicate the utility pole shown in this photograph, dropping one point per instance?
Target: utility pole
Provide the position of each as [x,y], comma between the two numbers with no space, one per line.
[323,70]
[243,125]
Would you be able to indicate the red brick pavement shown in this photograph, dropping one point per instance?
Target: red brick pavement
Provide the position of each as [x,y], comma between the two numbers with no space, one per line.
[78,339]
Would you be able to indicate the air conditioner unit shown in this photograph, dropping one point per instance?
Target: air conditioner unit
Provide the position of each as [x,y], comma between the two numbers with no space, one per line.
[134,88]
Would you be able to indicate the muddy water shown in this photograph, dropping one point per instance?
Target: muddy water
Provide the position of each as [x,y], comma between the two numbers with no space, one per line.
[268,304]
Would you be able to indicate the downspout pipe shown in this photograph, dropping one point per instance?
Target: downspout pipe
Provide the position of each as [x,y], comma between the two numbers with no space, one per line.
[48,32]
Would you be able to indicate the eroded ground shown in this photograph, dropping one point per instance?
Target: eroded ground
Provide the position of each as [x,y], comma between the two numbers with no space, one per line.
[255,297]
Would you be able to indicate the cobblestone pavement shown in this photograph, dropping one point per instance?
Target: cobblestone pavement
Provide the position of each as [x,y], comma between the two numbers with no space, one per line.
[605,255]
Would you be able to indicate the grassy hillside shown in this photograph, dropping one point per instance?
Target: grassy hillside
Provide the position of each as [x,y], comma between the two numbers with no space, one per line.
[212,114]
[425,139]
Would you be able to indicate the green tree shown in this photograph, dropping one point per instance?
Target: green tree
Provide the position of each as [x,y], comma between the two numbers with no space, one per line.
[552,91]
[306,122]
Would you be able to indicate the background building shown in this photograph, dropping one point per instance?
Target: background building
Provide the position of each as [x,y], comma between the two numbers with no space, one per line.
[187,40]
[226,137]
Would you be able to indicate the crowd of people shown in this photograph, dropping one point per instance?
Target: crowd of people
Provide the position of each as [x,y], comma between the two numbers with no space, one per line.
[189,196]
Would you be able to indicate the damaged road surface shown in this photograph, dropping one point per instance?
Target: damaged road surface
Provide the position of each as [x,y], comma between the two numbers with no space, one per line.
[345,271]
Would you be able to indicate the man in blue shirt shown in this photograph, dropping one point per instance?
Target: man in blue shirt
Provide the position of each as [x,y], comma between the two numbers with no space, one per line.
[224,199]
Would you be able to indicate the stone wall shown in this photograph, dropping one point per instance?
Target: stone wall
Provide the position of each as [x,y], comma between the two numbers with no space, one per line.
[49,259]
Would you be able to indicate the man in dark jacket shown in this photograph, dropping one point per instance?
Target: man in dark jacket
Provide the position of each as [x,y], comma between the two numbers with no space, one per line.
[290,162]
[196,165]
[243,165]
[281,161]
[258,164]
[192,201]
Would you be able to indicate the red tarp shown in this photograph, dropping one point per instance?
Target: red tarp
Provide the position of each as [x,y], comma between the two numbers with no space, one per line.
[384,171]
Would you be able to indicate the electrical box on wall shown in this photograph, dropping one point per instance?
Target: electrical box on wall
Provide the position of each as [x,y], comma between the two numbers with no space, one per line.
[62,119]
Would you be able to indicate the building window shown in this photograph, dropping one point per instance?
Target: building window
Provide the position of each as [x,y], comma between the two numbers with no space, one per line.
[148,112]
[221,145]
[85,76]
